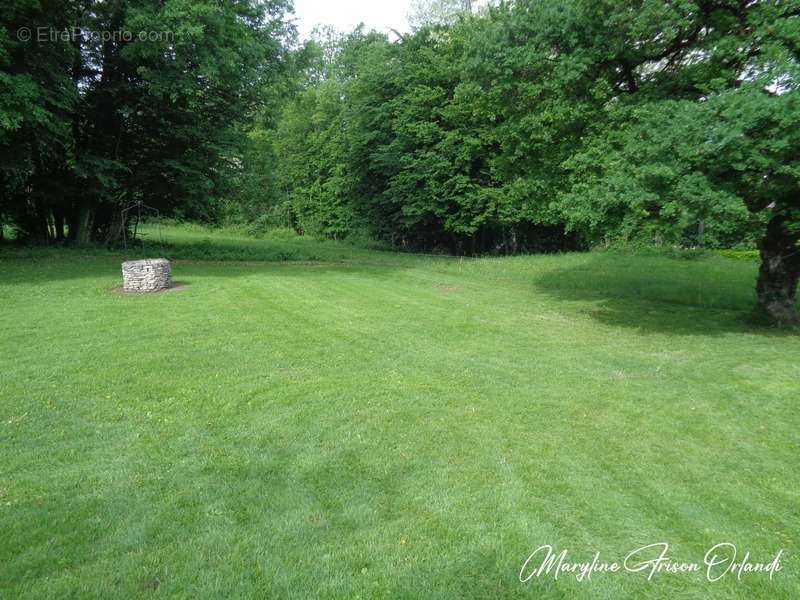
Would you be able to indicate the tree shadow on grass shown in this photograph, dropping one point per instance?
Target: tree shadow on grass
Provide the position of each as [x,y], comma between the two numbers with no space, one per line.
[656,294]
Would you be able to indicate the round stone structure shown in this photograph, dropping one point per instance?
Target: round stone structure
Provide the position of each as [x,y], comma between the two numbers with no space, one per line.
[146,275]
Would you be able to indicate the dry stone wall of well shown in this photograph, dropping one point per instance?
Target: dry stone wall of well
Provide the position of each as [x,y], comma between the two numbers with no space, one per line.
[147,275]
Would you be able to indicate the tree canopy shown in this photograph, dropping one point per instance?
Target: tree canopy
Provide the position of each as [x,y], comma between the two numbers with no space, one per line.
[546,125]
[122,101]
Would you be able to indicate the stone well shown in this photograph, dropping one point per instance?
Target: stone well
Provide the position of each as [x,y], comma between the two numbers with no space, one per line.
[147,275]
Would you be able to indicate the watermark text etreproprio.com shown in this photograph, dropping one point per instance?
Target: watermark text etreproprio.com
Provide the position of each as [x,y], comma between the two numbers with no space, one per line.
[80,34]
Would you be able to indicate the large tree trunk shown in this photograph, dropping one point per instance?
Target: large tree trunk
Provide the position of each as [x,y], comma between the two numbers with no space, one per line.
[115,228]
[83,225]
[36,226]
[780,269]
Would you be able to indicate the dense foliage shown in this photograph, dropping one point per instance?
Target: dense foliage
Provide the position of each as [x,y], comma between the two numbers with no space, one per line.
[551,124]
[108,104]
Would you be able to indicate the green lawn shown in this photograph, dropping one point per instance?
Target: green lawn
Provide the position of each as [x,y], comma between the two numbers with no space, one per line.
[310,419]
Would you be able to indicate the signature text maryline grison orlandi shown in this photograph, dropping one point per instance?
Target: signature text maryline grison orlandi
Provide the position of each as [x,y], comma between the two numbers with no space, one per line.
[720,561]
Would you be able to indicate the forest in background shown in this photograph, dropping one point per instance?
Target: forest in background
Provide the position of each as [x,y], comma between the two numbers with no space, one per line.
[523,126]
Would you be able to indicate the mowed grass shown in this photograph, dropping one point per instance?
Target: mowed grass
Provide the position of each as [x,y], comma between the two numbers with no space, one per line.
[311,419]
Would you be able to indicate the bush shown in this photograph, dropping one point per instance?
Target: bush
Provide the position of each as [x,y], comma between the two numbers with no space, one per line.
[277,217]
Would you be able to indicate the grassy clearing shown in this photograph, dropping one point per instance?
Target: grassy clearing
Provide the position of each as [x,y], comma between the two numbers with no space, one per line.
[368,424]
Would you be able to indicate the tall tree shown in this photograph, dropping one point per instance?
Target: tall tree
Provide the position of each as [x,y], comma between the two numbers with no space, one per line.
[698,125]
[37,100]
[149,102]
